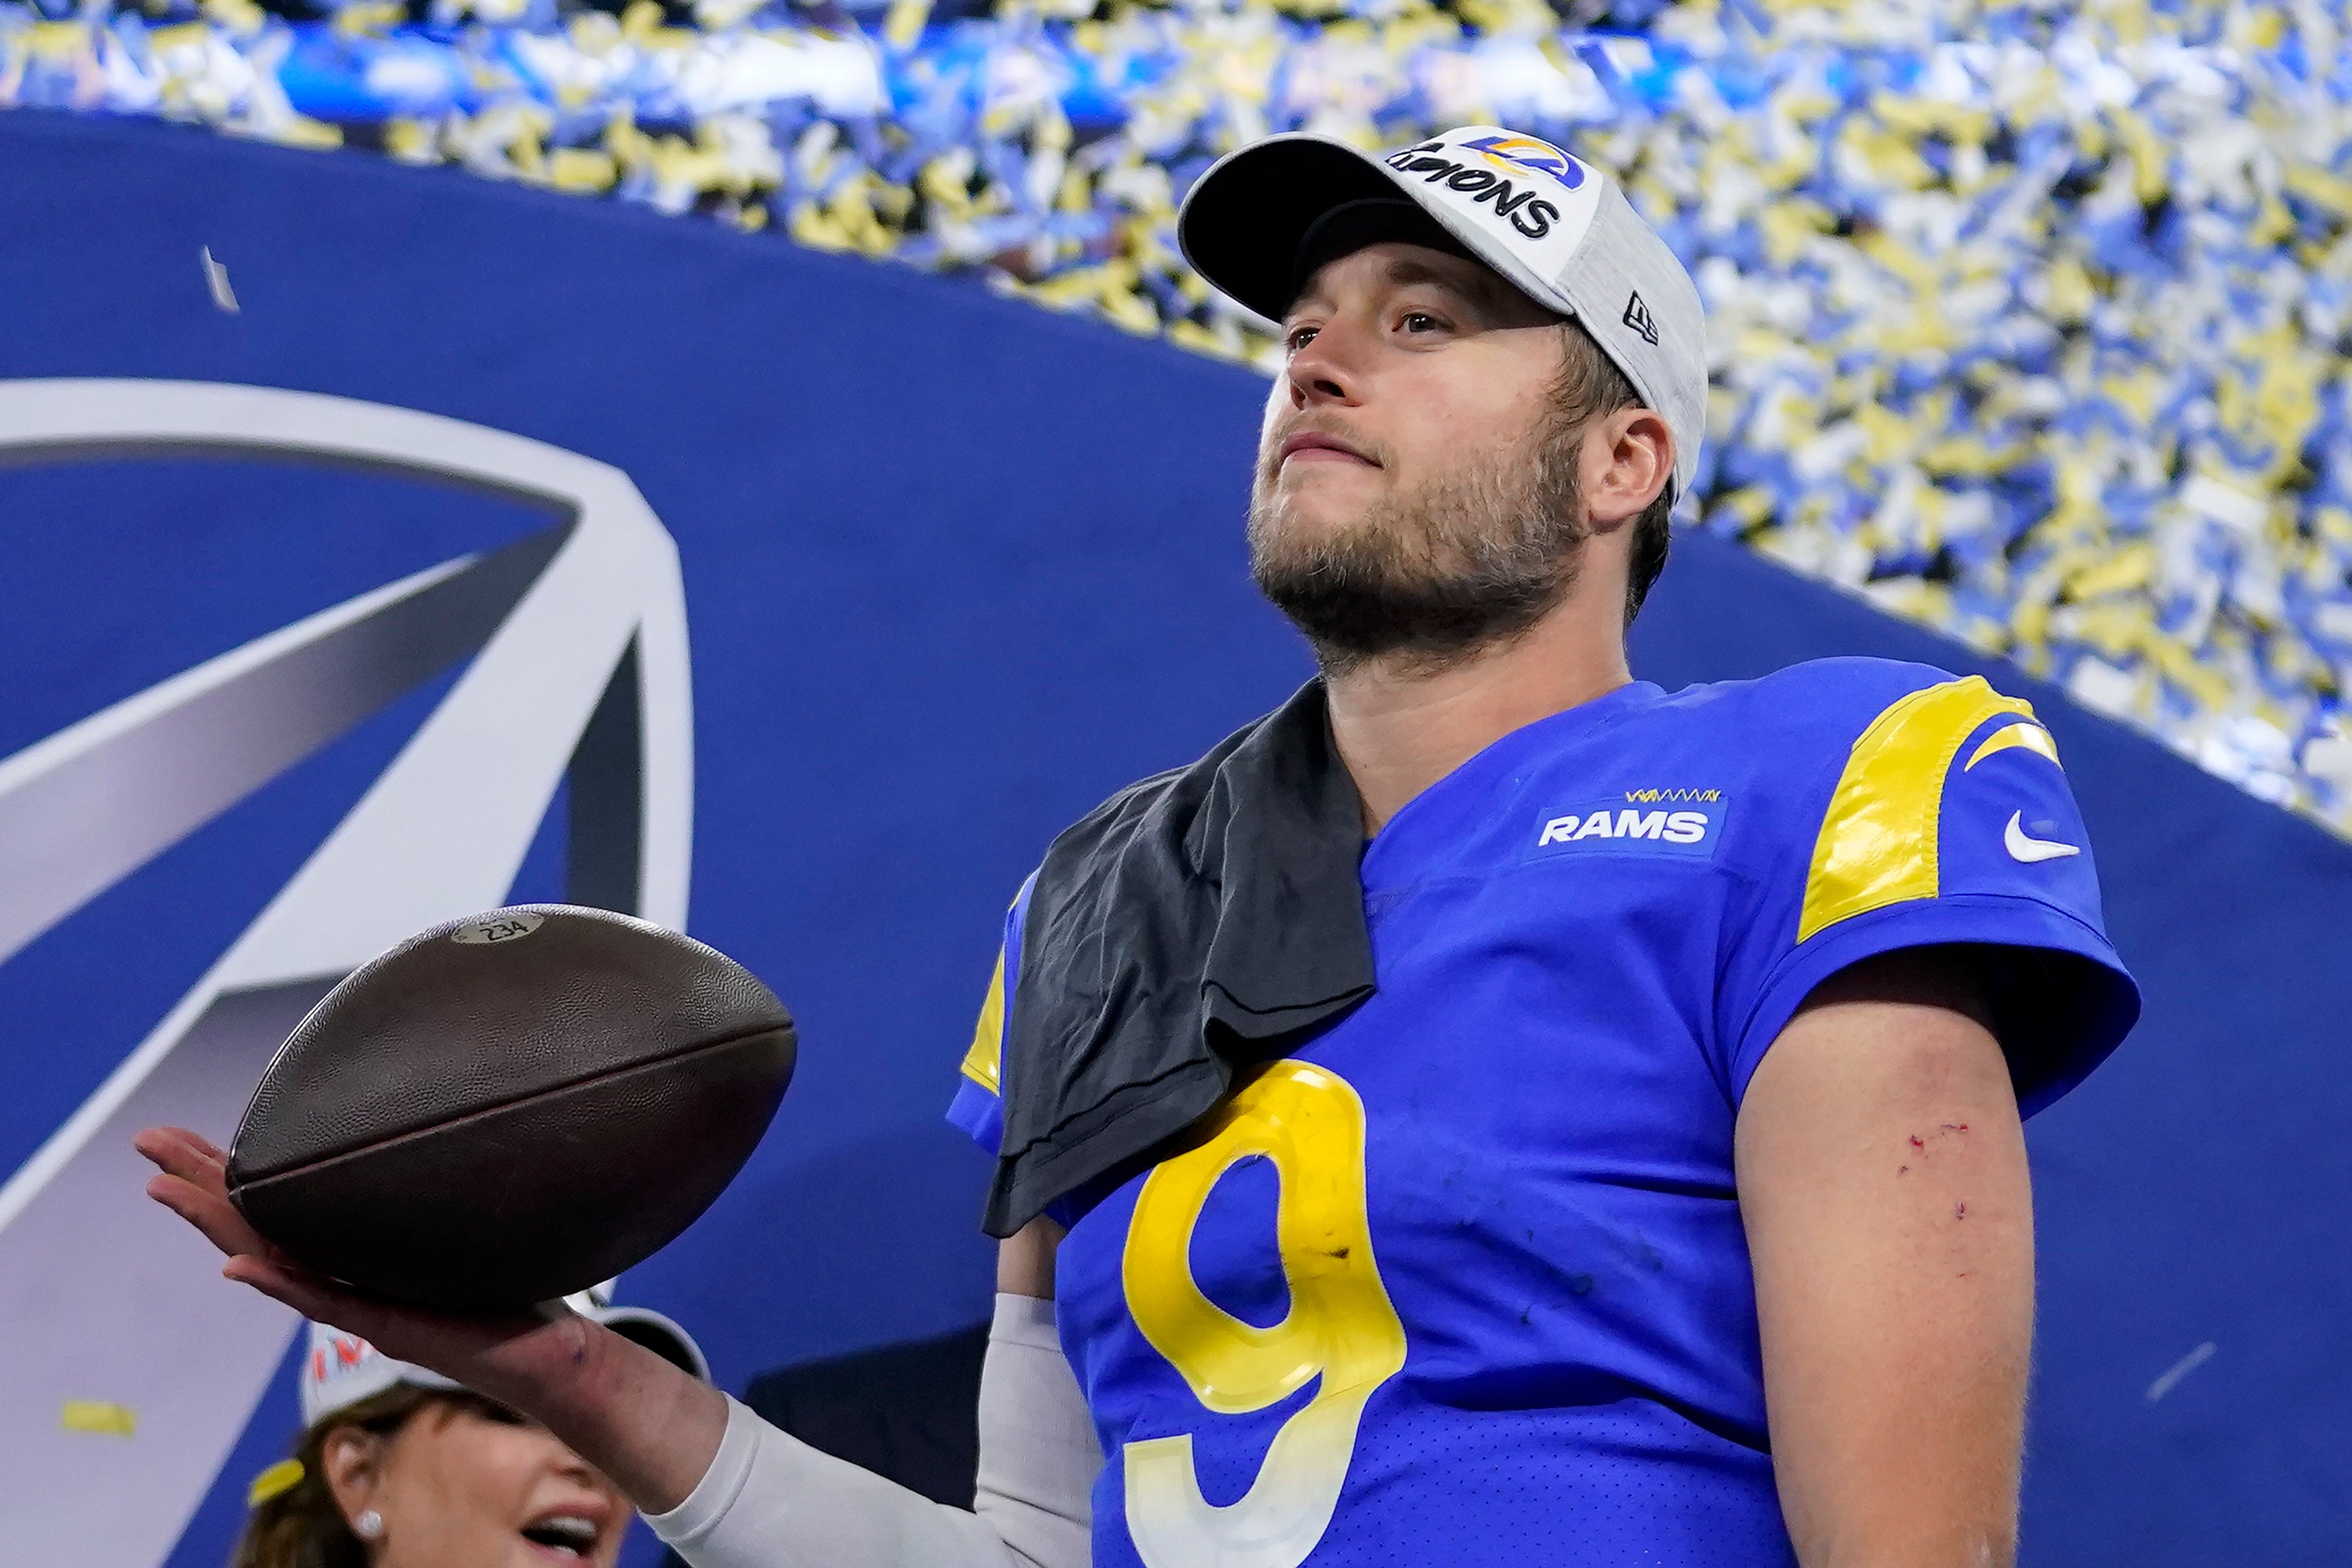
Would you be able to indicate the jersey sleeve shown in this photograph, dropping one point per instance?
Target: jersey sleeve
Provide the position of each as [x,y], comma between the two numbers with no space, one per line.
[978,1104]
[1948,820]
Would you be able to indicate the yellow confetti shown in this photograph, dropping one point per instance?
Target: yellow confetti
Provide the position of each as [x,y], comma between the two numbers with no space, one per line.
[276,1481]
[581,169]
[369,17]
[99,1416]
[60,40]
[237,16]
[904,27]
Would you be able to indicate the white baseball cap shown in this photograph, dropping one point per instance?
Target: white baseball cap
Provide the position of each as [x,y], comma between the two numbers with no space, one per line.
[1263,218]
[343,1369]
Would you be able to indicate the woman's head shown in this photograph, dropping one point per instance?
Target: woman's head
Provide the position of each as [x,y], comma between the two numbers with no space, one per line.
[415,1477]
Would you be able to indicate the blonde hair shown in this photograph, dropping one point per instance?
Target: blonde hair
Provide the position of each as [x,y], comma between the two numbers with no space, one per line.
[299,1525]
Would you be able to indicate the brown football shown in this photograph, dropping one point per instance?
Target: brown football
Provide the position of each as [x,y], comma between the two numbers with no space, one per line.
[511,1107]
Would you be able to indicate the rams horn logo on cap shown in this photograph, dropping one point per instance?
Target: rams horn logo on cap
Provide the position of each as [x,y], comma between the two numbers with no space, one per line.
[1530,215]
[1535,157]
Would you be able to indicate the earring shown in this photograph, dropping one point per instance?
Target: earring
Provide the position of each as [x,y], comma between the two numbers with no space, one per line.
[369,1526]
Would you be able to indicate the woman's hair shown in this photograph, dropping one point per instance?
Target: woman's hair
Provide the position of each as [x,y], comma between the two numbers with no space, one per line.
[300,1527]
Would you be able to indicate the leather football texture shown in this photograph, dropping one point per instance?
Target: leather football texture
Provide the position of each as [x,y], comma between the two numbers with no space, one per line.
[508,1109]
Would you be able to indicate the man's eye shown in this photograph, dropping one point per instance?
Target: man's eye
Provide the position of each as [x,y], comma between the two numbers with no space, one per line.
[1420,322]
[1299,337]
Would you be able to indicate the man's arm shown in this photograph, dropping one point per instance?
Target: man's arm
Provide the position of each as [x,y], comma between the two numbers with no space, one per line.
[658,1431]
[650,1427]
[1024,1260]
[1882,1176]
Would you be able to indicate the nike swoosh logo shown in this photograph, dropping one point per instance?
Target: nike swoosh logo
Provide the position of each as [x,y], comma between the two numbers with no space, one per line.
[2022,847]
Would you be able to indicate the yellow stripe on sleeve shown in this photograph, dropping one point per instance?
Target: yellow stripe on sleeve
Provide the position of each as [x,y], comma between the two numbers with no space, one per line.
[982,1064]
[1877,843]
[2032,737]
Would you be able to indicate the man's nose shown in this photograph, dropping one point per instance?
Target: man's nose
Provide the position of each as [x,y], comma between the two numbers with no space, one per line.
[1328,370]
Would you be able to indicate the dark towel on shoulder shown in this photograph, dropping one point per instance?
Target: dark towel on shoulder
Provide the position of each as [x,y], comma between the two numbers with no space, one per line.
[1180,931]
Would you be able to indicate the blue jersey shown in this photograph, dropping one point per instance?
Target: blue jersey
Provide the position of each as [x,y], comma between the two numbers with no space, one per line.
[1461,1279]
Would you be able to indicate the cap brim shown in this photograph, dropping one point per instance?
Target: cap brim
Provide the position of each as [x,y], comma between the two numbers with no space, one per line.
[1243,221]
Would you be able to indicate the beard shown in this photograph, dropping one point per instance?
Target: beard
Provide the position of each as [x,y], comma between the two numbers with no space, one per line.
[1431,576]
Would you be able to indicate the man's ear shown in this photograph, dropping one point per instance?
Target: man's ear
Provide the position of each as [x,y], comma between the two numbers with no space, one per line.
[1628,460]
[350,1461]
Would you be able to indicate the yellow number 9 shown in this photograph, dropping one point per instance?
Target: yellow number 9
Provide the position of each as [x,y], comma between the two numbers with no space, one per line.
[1341,1326]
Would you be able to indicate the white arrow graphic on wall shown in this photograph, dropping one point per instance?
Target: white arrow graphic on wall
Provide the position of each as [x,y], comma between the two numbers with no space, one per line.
[577,644]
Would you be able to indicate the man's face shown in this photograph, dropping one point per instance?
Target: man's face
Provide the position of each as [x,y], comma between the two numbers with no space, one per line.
[1415,492]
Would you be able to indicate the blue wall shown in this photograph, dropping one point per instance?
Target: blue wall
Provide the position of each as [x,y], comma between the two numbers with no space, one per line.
[955,568]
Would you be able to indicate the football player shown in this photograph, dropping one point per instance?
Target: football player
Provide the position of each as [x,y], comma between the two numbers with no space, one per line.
[1490,1109]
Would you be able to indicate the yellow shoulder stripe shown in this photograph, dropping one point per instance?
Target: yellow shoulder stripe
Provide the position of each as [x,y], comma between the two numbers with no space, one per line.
[2032,737]
[1877,844]
[982,1063]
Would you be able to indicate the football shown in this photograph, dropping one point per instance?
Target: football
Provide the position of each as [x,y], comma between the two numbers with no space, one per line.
[510,1108]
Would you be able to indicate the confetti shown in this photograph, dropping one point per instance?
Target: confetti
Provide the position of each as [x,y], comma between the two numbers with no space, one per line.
[2180,1368]
[2030,323]
[98,1416]
[216,280]
[274,1482]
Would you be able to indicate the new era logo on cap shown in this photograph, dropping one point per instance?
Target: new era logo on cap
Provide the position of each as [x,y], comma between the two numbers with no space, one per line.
[1637,316]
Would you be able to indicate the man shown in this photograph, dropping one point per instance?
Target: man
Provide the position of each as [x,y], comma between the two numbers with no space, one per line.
[1615,1160]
